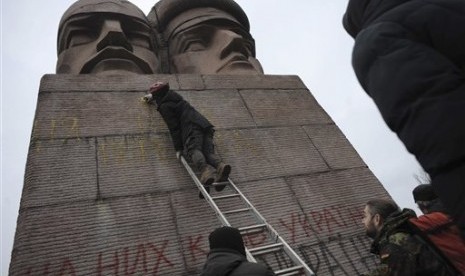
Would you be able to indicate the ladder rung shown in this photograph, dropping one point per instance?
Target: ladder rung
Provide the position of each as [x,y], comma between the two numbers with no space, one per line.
[266,249]
[236,211]
[253,228]
[225,196]
[220,183]
[295,270]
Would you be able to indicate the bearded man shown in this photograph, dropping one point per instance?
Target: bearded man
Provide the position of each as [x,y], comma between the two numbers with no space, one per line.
[400,249]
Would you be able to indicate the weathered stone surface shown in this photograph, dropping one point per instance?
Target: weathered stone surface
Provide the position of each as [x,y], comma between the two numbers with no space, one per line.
[340,195]
[132,165]
[93,139]
[109,83]
[194,220]
[84,114]
[269,152]
[284,107]
[214,104]
[253,82]
[190,82]
[60,171]
[334,146]
[124,236]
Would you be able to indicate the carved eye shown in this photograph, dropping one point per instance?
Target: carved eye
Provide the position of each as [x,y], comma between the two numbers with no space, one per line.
[80,37]
[194,46]
[139,40]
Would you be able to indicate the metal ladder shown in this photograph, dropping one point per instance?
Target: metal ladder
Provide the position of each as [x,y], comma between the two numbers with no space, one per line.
[278,244]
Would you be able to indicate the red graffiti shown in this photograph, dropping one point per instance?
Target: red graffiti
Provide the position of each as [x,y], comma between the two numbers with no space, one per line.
[328,220]
[194,248]
[291,227]
[254,239]
[114,266]
[67,268]
[160,256]
[138,264]
[141,257]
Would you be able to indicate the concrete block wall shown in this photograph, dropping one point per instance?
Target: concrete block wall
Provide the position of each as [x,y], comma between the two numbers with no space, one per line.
[105,195]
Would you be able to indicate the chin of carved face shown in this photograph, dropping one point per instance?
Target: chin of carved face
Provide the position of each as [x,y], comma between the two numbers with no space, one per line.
[108,67]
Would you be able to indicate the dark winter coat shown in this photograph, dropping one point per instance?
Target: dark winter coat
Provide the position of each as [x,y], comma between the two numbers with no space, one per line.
[221,261]
[402,252]
[409,56]
[179,116]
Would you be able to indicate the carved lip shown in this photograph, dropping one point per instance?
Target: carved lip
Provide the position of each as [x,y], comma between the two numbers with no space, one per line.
[236,59]
[112,52]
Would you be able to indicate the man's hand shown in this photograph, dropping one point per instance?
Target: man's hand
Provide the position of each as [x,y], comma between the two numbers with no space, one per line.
[178,154]
[148,98]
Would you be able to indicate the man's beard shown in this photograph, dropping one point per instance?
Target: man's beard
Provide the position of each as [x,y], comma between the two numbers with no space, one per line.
[371,231]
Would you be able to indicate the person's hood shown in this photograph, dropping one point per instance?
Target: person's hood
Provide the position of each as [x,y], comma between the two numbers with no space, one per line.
[359,13]
[396,222]
[222,261]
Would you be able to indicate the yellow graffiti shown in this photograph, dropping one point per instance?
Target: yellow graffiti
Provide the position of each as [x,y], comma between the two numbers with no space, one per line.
[139,123]
[103,152]
[75,128]
[38,146]
[142,150]
[52,130]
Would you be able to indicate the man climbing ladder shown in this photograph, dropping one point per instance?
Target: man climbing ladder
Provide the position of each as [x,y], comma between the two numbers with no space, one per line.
[191,133]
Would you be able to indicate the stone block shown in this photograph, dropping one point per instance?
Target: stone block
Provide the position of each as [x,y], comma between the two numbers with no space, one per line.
[284,107]
[334,147]
[223,108]
[190,82]
[60,171]
[268,152]
[84,114]
[124,236]
[131,165]
[253,82]
[331,211]
[194,220]
[98,83]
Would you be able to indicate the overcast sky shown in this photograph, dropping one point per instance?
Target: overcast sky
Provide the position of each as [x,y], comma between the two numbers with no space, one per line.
[293,37]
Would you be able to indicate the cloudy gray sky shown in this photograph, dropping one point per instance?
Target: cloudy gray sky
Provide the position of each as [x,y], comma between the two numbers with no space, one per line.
[293,37]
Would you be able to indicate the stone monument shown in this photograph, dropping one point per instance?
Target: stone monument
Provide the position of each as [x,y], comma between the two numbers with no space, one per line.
[103,191]
[205,37]
[101,36]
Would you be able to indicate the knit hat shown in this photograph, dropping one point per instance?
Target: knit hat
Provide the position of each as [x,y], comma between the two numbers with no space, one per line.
[424,192]
[227,237]
[159,86]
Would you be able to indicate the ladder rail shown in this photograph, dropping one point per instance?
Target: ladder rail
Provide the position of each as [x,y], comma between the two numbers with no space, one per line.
[274,234]
[211,202]
[286,247]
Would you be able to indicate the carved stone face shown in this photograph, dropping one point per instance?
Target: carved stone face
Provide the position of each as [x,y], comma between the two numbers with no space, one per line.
[214,46]
[116,38]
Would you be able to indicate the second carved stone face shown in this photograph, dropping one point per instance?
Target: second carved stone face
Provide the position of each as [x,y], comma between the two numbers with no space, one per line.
[216,46]
[105,37]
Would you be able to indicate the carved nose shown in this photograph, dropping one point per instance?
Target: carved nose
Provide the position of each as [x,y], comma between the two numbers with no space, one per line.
[114,39]
[113,35]
[235,43]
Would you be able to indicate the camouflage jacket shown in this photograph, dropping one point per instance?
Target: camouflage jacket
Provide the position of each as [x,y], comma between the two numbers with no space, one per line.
[403,253]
